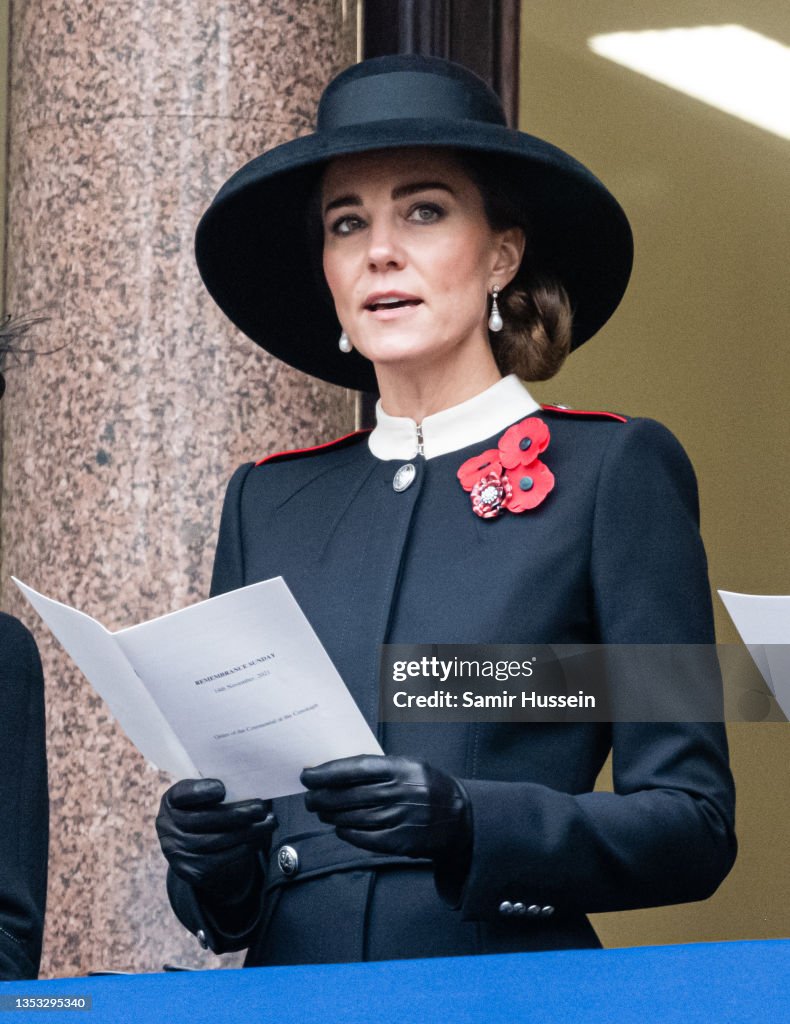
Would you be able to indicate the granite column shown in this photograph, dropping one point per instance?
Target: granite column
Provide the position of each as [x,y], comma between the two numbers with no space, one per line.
[124,120]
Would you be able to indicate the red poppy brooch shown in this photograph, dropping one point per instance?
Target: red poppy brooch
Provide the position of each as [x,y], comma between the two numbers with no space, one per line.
[510,476]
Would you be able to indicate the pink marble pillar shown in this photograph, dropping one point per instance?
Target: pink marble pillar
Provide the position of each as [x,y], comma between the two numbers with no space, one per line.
[125,118]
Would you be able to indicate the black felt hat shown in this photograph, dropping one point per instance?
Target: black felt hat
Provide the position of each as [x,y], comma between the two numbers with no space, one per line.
[257,255]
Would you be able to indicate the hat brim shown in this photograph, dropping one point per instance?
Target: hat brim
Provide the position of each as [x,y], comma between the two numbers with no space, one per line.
[254,254]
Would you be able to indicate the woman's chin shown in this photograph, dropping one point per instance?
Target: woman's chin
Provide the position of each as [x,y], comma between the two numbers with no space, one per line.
[397,351]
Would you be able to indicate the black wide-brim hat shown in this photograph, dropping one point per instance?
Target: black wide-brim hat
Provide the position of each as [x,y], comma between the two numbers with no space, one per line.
[257,254]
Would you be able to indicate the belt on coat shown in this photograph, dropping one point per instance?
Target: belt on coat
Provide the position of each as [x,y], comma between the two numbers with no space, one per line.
[306,855]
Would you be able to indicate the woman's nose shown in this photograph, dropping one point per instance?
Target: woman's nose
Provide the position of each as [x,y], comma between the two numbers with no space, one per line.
[384,249]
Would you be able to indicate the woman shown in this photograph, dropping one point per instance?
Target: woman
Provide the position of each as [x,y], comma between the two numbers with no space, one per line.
[24,800]
[455,252]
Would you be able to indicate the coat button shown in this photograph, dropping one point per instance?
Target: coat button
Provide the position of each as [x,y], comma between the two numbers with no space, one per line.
[546,911]
[506,908]
[533,909]
[404,477]
[201,937]
[288,860]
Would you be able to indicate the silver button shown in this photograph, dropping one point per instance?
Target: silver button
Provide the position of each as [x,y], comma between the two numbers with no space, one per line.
[506,908]
[404,477]
[288,860]
[201,937]
[546,911]
[519,908]
[533,909]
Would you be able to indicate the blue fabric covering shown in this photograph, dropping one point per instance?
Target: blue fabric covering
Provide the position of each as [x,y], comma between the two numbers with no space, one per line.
[717,983]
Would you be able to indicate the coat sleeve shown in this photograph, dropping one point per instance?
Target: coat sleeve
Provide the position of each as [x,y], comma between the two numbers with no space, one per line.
[666,834]
[228,571]
[24,803]
[212,931]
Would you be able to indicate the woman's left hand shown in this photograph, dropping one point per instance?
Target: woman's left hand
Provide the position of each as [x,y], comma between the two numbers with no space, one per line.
[391,805]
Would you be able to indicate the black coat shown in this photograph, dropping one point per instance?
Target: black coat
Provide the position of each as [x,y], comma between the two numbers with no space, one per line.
[24,803]
[613,555]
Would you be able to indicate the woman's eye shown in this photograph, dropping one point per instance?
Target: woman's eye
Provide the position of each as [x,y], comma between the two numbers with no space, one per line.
[346,225]
[426,213]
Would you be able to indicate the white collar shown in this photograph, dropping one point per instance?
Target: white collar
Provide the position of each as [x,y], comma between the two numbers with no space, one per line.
[395,437]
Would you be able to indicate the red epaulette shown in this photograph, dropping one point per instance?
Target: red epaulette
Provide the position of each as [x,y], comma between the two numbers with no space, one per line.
[584,412]
[339,442]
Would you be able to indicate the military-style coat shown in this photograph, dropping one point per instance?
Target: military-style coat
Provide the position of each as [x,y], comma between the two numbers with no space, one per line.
[612,555]
[24,803]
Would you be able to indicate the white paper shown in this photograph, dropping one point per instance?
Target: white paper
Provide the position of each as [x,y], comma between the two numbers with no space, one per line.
[237,688]
[95,651]
[763,622]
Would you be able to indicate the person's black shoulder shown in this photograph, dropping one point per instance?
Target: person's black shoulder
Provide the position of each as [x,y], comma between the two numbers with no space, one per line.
[18,651]
[24,803]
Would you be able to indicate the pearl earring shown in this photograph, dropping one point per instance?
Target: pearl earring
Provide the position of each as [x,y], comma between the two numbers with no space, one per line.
[495,320]
[344,344]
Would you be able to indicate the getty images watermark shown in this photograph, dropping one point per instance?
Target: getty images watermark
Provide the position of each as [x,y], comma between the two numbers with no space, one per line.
[574,683]
[485,671]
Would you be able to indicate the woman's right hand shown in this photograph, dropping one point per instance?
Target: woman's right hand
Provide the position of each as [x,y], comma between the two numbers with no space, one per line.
[212,845]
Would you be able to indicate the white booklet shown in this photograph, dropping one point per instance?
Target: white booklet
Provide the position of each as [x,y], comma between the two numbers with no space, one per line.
[237,688]
[763,621]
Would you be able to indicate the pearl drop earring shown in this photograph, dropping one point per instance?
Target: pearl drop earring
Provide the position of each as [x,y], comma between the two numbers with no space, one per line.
[344,344]
[495,320]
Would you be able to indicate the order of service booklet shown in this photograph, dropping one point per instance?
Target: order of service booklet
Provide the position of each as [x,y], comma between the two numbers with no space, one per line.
[763,621]
[237,688]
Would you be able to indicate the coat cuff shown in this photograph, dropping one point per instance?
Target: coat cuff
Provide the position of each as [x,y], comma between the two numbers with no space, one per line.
[207,927]
[538,852]
[495,884]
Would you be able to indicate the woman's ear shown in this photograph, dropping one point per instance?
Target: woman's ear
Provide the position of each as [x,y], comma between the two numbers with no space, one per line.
[509,252]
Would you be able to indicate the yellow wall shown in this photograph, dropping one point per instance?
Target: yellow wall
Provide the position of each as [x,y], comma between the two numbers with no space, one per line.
[700,343]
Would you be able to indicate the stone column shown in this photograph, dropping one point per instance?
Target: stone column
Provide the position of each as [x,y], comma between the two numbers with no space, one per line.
[124,120]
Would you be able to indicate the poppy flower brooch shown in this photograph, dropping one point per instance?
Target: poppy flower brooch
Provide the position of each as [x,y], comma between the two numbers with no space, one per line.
[511,476]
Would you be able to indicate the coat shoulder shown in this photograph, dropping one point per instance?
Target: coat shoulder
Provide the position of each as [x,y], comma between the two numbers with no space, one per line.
[19,650]
[615,427]
[275,476]
[337,444]
[12,630]
[584,429]
[566,412]
[626,443]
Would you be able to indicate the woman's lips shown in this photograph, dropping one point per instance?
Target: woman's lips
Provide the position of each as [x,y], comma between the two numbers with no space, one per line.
[391,305]
[393,312]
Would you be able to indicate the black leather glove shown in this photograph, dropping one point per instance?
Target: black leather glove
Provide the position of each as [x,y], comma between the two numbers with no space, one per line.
[212,845]
[392,805]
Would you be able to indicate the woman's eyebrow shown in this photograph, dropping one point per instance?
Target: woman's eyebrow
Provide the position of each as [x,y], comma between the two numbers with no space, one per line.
[397,193]
[420,186]
[349,200]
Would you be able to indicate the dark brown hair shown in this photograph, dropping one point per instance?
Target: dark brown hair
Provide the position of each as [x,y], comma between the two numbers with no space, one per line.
[536,337]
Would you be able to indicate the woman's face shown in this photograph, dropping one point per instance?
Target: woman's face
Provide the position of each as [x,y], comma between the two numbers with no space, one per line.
[410,257]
